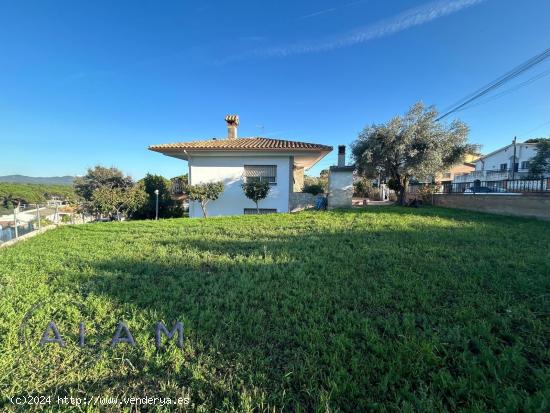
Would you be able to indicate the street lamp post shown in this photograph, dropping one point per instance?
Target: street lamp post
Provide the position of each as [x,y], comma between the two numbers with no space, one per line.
[157,205]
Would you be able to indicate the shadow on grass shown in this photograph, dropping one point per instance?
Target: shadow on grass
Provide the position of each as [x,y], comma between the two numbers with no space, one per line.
[358,317]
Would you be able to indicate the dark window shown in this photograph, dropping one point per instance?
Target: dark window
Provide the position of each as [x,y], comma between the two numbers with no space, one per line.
[253,211]
[516,167]
[525,165]
[262,173]
[503,166]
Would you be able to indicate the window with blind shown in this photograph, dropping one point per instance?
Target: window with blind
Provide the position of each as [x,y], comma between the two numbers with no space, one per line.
[262,173]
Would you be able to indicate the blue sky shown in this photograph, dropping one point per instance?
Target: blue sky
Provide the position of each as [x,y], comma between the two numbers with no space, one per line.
[85,83]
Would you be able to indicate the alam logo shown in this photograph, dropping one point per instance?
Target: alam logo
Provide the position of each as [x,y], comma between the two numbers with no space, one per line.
[122,335]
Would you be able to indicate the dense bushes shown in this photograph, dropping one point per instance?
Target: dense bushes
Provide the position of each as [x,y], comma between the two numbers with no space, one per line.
[314,189]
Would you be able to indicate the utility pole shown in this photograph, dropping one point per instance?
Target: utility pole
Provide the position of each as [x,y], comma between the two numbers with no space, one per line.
[514,160]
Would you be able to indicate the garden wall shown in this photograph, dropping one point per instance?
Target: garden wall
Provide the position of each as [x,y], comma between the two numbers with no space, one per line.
[535,205]
[301,200]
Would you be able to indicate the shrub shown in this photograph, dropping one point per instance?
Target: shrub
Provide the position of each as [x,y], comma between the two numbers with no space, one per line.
[314,189]
[362,187]
[426,192]
[321,181]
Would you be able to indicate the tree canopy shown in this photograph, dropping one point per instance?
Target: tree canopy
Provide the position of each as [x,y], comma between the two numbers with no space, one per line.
[413,145]
[14,193]
[256,191]
[118,201]
[168,207]
[204,193]
[98,177]
[540,163]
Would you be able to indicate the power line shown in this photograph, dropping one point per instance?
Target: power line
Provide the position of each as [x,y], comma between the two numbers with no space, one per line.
[535,128]
[512,74]
[508,91]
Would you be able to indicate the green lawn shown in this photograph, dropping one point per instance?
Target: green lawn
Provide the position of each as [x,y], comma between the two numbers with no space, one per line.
[381,309]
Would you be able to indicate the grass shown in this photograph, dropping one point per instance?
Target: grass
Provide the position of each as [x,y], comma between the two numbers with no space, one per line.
[381,309]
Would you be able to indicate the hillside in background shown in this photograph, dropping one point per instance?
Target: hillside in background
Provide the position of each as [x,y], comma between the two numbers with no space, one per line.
[32,193]
[47,180]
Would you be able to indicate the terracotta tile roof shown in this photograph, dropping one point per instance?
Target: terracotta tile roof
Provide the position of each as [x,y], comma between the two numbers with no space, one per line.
[241,144]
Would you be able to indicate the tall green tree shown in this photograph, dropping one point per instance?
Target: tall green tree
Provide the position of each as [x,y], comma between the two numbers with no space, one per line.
[168,207]
[204,193]
[256,191]
[117,202]
[413,145]
[98,177]
[540,163]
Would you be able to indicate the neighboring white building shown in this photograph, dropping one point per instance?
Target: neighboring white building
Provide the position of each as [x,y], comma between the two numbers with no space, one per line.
[500,165]
[233,160]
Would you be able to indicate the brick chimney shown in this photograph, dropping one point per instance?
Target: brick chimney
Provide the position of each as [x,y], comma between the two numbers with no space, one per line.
[232,123]
[341,155]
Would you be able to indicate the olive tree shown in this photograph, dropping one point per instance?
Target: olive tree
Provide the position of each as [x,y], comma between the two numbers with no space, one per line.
[256,191]
[204,193]
[414,145]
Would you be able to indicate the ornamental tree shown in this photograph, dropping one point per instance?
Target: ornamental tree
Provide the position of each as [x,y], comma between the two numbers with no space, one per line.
[256,191]
[204,193]
[413,145]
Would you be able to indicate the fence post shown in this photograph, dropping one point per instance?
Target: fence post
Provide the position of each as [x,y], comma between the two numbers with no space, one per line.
[15,220]
[38,215]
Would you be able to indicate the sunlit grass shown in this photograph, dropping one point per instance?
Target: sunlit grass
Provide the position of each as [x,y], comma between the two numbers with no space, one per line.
[384,309]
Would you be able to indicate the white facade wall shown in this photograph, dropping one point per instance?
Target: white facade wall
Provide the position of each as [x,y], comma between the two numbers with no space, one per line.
[229,169]
[340,187]
[524,152]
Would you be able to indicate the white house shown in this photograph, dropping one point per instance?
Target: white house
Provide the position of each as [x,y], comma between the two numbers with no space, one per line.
[500,164]
[233,160]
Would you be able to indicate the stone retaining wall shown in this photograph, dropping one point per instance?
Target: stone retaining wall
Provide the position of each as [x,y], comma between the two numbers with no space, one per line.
[302,200]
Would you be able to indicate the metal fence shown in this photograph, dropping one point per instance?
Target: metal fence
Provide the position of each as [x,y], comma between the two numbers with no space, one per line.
[486,187]
[13,232]
[23,220]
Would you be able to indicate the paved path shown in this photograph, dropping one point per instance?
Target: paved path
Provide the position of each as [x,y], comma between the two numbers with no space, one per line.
[358,202]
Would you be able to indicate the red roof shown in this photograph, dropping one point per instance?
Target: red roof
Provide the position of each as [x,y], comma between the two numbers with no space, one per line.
[241,144]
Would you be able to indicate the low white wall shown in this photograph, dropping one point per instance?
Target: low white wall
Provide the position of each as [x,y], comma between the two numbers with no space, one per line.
[302,200]
[229,170]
